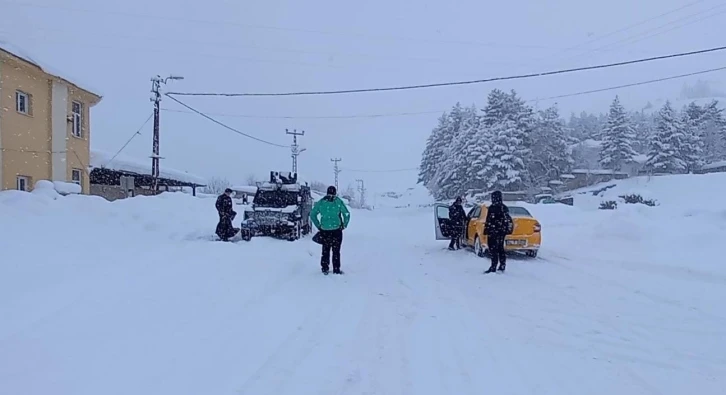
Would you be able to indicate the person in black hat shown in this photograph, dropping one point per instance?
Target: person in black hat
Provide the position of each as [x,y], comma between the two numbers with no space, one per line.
[457,218]
[334,217]
[226,212]
[498,225]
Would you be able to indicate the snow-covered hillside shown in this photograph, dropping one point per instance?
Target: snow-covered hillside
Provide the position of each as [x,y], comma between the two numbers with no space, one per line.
[132,297]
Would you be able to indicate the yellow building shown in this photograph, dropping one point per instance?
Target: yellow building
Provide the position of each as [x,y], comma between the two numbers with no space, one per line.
[44,124]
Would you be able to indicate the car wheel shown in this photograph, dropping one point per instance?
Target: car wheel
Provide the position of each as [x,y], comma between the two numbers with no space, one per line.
[478,248]
[532,253]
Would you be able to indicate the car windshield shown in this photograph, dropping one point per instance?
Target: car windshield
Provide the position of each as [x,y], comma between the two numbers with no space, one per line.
[519,211]
[275,199]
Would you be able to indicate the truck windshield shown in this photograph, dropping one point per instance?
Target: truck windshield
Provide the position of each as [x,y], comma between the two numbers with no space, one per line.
[276,199]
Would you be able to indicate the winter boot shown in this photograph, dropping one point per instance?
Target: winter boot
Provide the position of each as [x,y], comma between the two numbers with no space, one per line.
[502,267]
[324,270]
[491,269]
[337,271]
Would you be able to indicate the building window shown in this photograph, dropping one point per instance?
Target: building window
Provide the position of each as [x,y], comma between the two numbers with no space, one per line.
[77,177]
[22,102]
[23,183]
[77,109]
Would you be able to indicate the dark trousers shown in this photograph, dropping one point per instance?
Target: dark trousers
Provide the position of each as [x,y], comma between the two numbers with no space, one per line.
[456,233]
[332,240]
[496,249]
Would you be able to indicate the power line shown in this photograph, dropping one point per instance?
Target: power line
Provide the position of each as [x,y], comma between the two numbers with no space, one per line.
[383,115]
[626,28]
[629,85]
[224,125]
[380,171]
[386,115]
[514,77]
[138,132]
[637,37]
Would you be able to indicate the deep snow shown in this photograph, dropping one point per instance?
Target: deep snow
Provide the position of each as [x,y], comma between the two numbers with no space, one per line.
[132,297]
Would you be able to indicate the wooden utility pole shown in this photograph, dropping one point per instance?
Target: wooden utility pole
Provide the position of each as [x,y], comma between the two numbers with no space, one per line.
[362,190]
[155,89]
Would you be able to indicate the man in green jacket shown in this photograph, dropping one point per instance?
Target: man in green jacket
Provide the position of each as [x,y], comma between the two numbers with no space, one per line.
[334,217]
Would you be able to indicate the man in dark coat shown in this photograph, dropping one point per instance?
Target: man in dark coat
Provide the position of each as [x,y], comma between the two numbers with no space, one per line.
[457,217]
[498,225]
[224,205]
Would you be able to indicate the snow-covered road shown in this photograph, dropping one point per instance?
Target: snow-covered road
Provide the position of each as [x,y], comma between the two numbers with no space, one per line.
[149,308]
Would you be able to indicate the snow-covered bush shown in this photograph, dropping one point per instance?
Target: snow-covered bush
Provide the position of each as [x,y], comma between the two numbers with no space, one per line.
[637,199]
[609,205]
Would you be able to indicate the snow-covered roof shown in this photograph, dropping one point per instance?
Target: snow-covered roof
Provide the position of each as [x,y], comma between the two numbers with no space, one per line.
[102,159]
[556,182]
[21,53]
[714,165]
[567,176]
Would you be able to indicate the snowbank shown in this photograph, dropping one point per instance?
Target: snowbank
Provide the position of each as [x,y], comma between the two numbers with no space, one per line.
[416,196]
[133,293]
[675,193]
[102,159]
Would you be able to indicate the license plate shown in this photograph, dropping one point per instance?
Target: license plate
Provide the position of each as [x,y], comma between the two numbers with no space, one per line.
[516,242]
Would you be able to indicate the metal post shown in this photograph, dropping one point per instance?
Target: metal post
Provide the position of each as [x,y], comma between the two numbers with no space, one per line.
[336,170]
[294,148]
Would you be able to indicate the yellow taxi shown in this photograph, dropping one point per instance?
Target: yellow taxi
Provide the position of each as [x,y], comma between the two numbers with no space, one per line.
[526,238]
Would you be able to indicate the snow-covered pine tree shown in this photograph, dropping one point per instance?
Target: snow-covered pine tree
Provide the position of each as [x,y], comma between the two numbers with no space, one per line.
[666,143]
[508,169]
[455,182]
[496,108]
[505,111]
[643,126]
[583,127]
[441,182]
[713,130]
[691,151]
[433,155]
[617,138]
[551,155]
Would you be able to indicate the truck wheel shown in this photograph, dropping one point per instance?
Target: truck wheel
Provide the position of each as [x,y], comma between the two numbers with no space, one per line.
[296,232]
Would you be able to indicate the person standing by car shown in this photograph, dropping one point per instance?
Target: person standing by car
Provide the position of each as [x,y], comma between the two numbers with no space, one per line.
[498,225]
[334,217]
[224,206]
[457,217]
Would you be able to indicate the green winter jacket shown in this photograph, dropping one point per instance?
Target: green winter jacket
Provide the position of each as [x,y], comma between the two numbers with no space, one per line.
[330,209]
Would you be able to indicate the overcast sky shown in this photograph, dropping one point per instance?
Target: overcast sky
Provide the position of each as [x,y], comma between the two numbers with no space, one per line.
[287,45]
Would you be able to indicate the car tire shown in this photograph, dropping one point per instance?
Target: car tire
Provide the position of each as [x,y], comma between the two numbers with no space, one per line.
[532,253]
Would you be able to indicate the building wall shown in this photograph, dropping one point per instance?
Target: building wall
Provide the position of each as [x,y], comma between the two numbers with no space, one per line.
[59,130]
[26,139]
[41,145]
[79,148]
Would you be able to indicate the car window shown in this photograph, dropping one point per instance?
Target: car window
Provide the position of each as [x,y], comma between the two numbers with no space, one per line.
[471,213]
[477,212]
[442,212]
[519,211]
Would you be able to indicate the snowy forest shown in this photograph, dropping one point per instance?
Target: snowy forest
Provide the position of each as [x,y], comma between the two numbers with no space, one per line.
[511,147]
